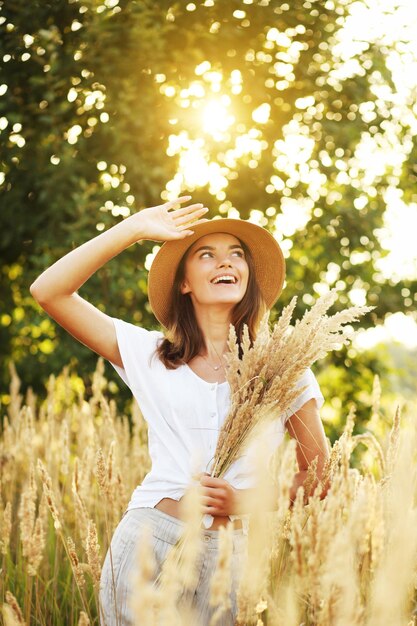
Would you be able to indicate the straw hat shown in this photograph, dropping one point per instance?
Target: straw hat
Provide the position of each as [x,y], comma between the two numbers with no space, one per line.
[267,257]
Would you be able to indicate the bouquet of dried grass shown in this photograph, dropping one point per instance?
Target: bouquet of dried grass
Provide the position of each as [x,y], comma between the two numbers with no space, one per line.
[263,380]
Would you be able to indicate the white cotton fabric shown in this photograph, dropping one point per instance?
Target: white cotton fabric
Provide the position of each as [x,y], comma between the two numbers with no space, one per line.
[184,414]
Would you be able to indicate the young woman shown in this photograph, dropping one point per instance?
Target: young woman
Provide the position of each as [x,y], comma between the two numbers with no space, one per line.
[207,275]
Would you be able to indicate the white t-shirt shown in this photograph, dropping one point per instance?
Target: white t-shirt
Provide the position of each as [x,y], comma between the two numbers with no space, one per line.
[184,414]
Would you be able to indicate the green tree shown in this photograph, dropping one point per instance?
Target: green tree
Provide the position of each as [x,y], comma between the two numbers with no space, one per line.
[95,93]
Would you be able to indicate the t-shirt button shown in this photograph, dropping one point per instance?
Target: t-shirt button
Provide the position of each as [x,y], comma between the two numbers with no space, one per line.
[213,387]
[213,414]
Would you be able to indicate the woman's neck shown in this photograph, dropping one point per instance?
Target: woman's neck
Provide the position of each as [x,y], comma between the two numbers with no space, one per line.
[215,328]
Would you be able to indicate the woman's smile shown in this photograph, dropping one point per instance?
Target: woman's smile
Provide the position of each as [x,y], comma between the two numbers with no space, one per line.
[224,279]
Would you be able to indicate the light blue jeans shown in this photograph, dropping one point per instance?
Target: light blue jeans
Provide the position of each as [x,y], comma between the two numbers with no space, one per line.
[166,530]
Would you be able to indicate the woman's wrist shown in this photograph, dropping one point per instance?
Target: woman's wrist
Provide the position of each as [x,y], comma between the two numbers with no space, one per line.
[144,226]
[136,225]
[244,501]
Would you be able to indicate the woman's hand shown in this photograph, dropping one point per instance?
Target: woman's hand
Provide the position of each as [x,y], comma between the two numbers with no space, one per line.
[165,222]
[219,497]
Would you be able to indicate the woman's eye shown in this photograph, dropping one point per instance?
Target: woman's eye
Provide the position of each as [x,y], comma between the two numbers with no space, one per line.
[238,253]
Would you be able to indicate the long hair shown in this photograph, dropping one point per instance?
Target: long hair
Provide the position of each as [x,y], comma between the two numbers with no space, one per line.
[184,339]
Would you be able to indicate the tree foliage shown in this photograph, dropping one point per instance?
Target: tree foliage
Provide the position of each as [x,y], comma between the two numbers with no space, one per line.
[99,97]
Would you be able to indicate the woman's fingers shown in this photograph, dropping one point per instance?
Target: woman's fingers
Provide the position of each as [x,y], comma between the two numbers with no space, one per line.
[185,230]
[212,492]
[180,199]
[186,214]
[185,218]
[207,501]
[171,204]
[189,217]
[183,210]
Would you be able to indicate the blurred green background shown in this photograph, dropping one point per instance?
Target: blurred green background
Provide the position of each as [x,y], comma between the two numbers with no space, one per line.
[297,115]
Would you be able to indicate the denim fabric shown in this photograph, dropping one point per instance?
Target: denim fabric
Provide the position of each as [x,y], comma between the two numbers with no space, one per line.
[116,590]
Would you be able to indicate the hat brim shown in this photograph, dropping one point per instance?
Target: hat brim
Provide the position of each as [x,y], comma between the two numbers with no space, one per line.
[268,260]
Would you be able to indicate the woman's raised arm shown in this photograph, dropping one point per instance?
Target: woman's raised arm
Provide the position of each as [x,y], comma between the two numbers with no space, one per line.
[55,289]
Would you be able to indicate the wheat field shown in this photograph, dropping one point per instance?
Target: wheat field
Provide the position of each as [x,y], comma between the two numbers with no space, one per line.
[67,472]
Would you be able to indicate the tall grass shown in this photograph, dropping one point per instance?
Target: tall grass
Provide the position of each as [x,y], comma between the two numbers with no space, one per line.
[67,472]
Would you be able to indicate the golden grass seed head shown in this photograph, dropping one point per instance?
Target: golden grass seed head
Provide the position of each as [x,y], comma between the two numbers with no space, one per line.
[83,619]
[49,495]
[65,452]
[93,553]
[6,528]
[76,567]
[13,614]
[27,512]
[221,581]
[190,542]
[9,616]
[36,547]
[100,472]
[145,602]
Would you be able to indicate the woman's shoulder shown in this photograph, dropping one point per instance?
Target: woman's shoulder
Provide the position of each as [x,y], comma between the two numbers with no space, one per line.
[133,332]
[306,378]
[309,387]
[137,347]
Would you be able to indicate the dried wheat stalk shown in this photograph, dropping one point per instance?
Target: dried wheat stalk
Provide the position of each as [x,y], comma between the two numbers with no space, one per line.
[263,380]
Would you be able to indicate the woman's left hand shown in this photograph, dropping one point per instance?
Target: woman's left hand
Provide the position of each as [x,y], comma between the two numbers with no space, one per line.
[219,497]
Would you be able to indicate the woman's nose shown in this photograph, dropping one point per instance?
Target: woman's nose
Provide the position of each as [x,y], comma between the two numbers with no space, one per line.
[225,262]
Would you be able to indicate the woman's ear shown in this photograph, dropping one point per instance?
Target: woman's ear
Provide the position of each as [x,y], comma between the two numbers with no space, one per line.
[184,288]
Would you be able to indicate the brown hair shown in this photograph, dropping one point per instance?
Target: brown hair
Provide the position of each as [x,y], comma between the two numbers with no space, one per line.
[184,339]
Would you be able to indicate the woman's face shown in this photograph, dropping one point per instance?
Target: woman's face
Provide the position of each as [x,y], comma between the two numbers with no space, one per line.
[216,271]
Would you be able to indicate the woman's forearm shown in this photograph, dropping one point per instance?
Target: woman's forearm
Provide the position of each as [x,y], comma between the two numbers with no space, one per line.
[69,273]
[299,480]
[245,496]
